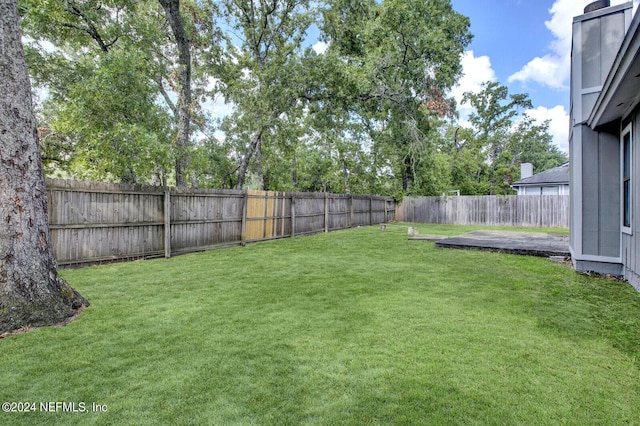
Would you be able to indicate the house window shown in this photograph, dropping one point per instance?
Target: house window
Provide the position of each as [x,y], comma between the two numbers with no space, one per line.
[626,179]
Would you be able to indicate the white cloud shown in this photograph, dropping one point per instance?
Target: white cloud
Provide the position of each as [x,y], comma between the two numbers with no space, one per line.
[558,124]
[476,70]
[552,70]
[549,70]
[212,83]
[47,46]
[218,108]
[44,45]
[320,47]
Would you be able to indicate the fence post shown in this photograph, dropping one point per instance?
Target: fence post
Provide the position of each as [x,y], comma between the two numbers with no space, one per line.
[540,211]
[267,199]
[370,209]
[351,211]
[167,223]
[243,229]
[293,215]
[326,212]
[385,211]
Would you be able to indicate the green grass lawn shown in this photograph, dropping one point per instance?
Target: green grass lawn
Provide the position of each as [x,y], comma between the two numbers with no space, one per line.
[351,327]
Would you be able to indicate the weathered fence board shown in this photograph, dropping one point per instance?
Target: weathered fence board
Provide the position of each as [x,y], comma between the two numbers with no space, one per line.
[547,211]
[204,218]
[98,222]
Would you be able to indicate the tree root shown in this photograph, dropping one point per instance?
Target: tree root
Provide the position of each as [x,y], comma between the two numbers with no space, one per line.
[27,328]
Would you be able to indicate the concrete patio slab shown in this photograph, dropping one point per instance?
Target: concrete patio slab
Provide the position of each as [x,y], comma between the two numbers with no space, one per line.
[427,238]
[523,243]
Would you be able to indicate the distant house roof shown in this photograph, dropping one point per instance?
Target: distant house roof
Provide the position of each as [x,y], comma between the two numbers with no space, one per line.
[556,176]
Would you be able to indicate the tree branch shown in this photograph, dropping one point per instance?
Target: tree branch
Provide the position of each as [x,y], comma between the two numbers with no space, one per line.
[166,97]
[90,28]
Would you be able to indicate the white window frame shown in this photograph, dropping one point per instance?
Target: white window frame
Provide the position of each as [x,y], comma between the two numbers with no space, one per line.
[628,130]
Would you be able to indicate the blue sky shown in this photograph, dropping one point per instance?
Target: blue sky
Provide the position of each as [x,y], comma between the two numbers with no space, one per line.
[525,45]
[511,33]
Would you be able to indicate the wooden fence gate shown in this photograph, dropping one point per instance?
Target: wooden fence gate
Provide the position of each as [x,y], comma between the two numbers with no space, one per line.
[266,216]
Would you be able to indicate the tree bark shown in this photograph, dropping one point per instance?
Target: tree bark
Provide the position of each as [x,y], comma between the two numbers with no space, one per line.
[244,165]
[261,180]
[31,294]
[172,11]
[345,177]
[294,173]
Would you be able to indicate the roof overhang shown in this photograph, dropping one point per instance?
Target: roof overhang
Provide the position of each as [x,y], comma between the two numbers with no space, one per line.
[516,184]
[621,90]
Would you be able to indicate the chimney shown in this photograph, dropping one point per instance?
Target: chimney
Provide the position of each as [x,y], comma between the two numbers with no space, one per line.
[526,170]
[597,5]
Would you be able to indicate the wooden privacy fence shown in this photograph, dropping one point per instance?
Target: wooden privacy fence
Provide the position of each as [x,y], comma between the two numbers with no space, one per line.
[545,211]
[98,222]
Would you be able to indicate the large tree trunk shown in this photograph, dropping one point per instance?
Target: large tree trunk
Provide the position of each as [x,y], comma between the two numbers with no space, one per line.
[31,294]
[172,11]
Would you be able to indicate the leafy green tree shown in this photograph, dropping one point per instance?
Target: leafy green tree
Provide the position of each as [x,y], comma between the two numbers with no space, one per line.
[495,111]
[131,133]
[94,43]
[260,69]
[467,166]
[532,143]
[77,24]
[211,164]
[100,99]
[362,116]
[503,136]
[529,142]
[393,61]
[337,132]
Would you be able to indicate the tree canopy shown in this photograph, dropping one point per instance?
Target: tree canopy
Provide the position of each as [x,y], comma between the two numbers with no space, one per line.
[503,136]
[126,89]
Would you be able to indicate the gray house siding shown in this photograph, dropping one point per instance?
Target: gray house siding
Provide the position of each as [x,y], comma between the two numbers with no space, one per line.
[631,242]
[601,38]
[600,194]
[595,239]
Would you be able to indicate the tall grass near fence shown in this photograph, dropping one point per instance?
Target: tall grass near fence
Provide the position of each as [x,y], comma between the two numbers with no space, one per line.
[544,211]
[96,222]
